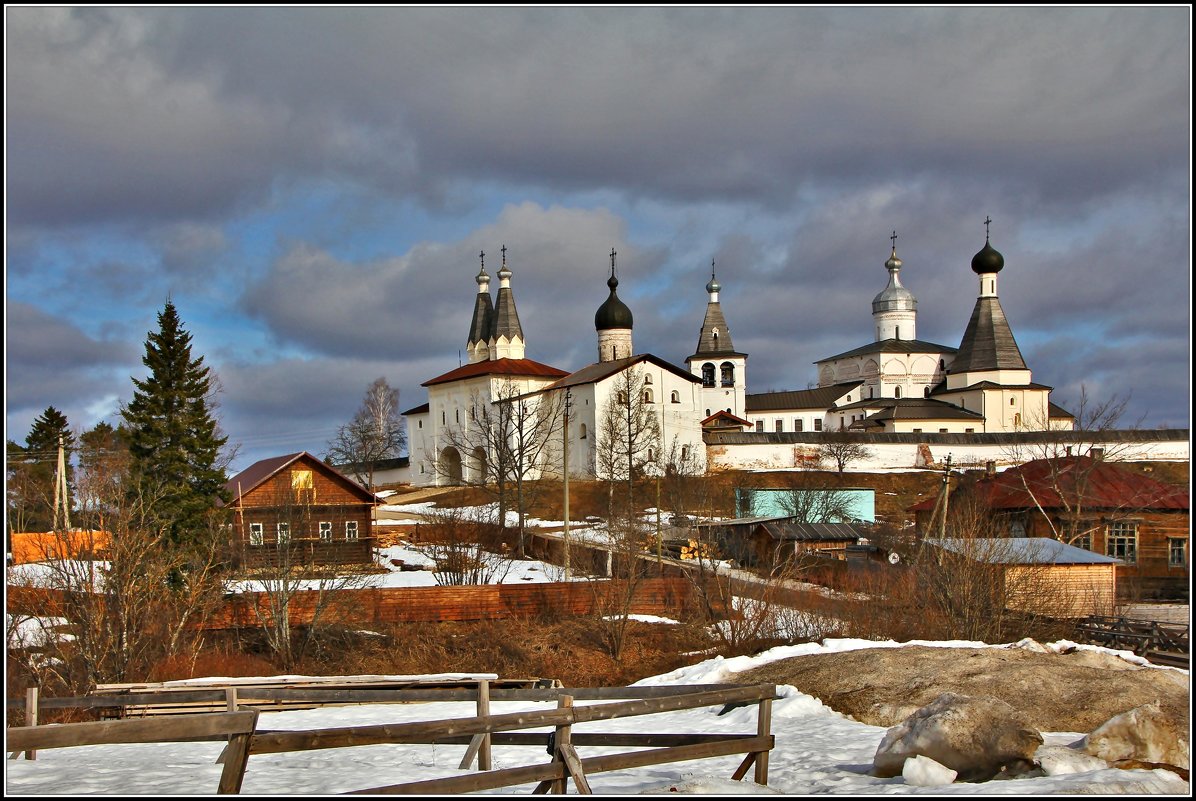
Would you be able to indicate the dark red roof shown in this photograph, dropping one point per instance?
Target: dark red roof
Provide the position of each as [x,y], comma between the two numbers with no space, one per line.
[520,367]
[1095,484]
[244,482]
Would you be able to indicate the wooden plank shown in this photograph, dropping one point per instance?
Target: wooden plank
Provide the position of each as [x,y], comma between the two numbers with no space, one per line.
[236,759]
[422,732]
[742,770]
[153,730]
[556,770]
[31,715]
[763,730]
[591,739]
[576,770]
[475,742]
[484,752]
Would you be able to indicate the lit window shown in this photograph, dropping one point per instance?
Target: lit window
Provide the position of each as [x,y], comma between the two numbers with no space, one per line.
[350,529]
[1121,542]
[325,531]
[1177,552]
[284,533]
[256,533]
[301,484]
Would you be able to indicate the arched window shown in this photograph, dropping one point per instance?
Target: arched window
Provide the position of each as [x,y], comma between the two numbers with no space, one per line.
[647,396]
[582,428]
[647,379]
[707,374]
[728,371]
[869,393]
[896,392]
[926,392]
[684,452]
[675,397]
[707,412]
[651,455]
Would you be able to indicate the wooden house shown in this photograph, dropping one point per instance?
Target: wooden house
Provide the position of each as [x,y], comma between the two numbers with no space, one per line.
[1042,575]
[769,542]
[295,509]
[1096,505]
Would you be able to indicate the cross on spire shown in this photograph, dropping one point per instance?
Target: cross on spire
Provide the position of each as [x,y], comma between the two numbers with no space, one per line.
[613,253]
[482,256]
[987,220]
[504,255]
[712,268]
[893,238]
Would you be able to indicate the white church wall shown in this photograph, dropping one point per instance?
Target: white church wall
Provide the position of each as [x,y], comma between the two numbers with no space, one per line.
[897,456]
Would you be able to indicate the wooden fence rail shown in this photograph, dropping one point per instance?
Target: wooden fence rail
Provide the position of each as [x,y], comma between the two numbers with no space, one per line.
[236,727]
[479,733]
[1139,636]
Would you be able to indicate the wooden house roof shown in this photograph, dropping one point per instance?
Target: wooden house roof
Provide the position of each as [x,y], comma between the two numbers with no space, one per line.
[259,472]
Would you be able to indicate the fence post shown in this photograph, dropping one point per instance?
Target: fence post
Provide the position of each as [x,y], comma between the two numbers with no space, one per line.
[484,712]
[31,715]
[763,729]
[562,737]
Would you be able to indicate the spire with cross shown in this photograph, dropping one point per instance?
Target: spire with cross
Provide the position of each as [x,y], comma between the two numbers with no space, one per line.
[987,221]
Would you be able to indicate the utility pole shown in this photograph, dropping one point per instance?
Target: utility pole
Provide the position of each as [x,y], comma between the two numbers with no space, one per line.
[565,472]
[60,494]
[946,496]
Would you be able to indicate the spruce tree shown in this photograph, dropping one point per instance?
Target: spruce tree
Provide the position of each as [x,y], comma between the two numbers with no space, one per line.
[33,470]
[173,440]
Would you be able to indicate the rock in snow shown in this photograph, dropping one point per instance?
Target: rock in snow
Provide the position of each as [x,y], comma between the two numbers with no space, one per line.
[922,771]
[1144,734]
[976,736]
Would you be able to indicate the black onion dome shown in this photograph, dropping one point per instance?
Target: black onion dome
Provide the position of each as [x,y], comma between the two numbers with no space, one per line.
[988,260]
[614,312]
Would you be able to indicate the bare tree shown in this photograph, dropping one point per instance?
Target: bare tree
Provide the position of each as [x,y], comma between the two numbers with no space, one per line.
[1062,487]
[465,548]
[820,505]
[137,607]
[375,433]
[292,595]
[629,435]
[842,448]
[509,441]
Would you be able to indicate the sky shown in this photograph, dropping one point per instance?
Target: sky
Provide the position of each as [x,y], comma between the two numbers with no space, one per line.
[817,751]
[311,188]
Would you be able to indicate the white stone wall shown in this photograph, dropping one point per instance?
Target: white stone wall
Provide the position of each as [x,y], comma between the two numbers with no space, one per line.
[889,456]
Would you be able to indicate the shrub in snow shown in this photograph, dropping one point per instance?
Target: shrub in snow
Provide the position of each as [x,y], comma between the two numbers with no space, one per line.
[921,771]
[1144,734]
[978,737]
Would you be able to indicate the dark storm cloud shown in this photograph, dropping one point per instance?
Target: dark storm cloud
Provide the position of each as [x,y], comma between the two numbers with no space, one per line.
[33,337]
[420,303]
[162,113]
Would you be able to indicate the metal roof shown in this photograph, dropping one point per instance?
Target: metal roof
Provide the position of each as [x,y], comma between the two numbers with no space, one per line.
[818,398]
[987,342]
[892,346]
[1022,551]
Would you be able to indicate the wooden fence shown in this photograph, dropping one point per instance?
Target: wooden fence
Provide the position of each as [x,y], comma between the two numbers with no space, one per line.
[1166,643]
[654,596]
[478,733]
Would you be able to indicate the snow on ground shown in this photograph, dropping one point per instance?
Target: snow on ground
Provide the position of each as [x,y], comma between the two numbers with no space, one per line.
[818,751]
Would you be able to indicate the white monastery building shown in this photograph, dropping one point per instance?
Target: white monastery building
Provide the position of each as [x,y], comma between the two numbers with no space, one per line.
[895,385]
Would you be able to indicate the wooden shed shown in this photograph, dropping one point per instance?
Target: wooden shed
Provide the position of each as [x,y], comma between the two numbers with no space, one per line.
[1044,576]
[295,509]
[772,541]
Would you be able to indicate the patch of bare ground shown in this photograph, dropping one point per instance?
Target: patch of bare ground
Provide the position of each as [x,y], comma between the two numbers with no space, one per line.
[1072,692]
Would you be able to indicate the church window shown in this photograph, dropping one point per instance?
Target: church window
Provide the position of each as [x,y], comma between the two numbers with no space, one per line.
[897,332]
[849,399]
[420,424]
[582,429]
[1017,419]
[622,398]
[443,417]
[780,426]
[647,396]
[869,393]
[651,455]
[708,375]
[759,426]
[818,424]
[707,412]
[969,431]
[675,397]
[925,392]
[728,371]
[842,422]
[684,452]
[917,431]
[942,365]
[942,431]
[1012,402]
[797,424]
[896,392]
